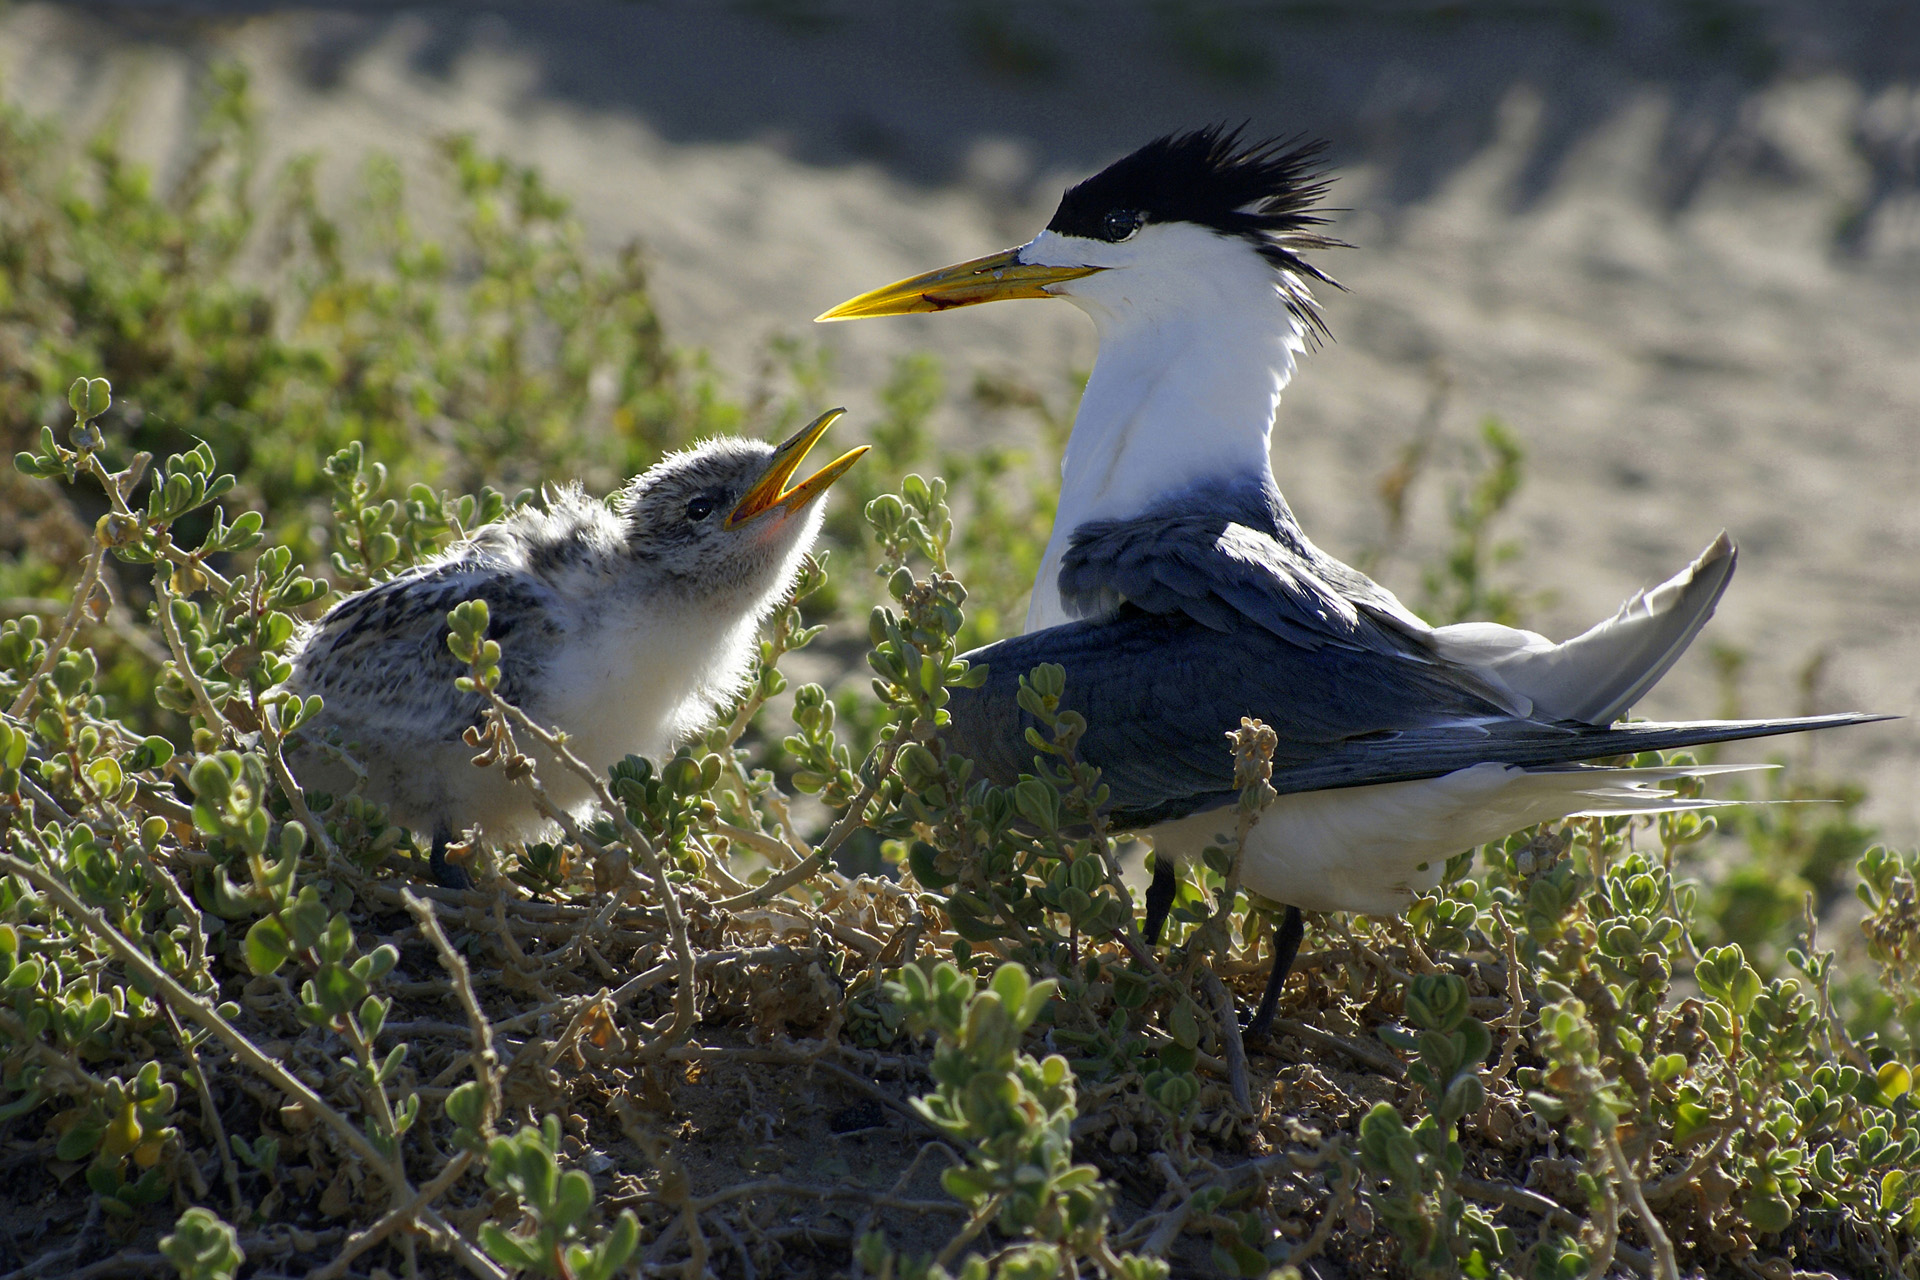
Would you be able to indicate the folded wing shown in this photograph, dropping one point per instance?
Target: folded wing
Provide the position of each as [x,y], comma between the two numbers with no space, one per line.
[1160,692]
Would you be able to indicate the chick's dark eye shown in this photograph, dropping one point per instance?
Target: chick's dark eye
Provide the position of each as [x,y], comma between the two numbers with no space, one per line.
[1123,224]
[699,509]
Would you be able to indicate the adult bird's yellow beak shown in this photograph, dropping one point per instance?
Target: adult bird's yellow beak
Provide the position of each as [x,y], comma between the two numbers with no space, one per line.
[770,490]
[988,279]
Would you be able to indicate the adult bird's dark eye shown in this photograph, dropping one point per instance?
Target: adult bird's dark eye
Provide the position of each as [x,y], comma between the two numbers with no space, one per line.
[1123,224]
[699,509]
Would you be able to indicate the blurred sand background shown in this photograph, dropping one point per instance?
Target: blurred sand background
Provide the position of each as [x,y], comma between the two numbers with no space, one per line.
[1674,244]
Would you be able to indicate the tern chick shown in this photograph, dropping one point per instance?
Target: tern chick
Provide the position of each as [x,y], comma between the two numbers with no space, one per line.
[626,624]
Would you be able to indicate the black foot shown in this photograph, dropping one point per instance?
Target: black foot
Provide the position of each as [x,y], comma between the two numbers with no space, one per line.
[446,874]
[1159,897]
[1286,946]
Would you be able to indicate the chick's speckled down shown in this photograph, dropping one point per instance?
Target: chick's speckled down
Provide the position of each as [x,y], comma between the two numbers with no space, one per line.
[626,624]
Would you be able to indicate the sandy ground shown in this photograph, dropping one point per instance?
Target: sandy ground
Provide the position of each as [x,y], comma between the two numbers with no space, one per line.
[1675,247]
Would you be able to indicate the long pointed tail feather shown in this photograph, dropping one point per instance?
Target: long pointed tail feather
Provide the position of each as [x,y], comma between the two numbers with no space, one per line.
[1411,756]
[1604,791]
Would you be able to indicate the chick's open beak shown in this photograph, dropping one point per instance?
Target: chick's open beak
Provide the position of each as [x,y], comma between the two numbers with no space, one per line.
[770,491]
[988,279]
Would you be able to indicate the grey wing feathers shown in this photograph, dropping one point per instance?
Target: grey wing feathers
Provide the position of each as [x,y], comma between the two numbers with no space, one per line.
[1220,573]
[1160,694]
[380,662]
[1214,609]
[1159,691]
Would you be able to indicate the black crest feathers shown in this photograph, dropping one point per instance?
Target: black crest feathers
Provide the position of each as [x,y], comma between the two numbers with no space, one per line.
[1263,191]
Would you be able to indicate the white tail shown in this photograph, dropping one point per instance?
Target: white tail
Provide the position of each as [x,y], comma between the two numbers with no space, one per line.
[1596,676]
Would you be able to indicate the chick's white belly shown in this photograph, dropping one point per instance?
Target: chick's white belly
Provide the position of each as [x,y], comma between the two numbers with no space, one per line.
[642,689]
[608,711]
[428,785]
[617,691]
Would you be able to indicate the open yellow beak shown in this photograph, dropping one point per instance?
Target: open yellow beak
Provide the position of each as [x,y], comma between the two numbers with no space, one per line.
[770,490]
[988,279]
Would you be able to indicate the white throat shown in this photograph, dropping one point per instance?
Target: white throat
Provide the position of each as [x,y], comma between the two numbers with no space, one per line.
[1184,390]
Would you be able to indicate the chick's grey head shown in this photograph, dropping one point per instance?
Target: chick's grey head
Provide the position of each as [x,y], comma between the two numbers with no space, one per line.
[720,521]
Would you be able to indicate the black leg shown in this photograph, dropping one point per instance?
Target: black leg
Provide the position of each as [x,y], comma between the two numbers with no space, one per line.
[1286,946]
[446,874]
[1159,897]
